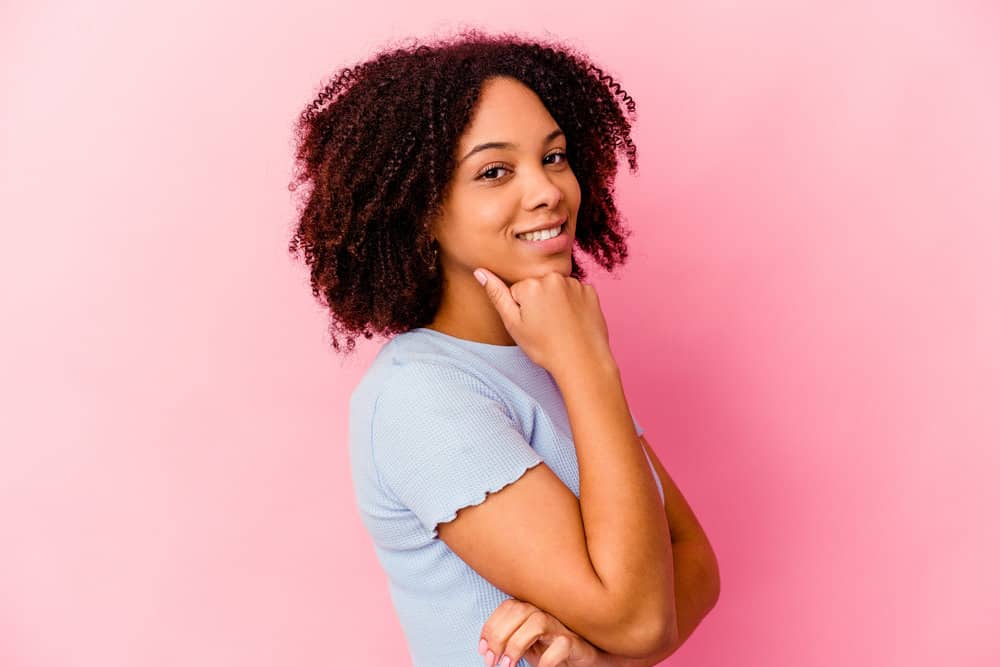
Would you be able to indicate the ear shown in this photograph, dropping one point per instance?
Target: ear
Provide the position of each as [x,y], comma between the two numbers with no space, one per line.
[432,221]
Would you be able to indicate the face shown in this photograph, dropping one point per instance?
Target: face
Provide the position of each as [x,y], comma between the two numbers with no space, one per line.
[497,192]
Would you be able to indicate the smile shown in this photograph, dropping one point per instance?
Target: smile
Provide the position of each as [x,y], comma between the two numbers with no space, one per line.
[554,239]
[542,234]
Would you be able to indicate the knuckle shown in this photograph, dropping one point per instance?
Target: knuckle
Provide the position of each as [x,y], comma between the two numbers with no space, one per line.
[562,644]
[538,619]
[559,649]
[515,648]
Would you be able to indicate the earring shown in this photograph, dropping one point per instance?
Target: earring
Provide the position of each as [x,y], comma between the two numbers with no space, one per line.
[433,263]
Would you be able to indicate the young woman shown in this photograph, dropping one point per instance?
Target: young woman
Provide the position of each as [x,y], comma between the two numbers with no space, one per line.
[512,499]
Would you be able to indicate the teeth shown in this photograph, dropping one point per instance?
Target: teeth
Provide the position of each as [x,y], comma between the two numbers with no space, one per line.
[541,235]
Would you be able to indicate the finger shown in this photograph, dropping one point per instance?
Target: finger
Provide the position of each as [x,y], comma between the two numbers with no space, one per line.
[502,623]
[499,294]
[532,628]
[557,654]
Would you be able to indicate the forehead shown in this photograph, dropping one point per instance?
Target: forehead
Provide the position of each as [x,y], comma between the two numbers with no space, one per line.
[507,110]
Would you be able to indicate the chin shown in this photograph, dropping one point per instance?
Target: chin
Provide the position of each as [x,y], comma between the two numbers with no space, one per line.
[564,269]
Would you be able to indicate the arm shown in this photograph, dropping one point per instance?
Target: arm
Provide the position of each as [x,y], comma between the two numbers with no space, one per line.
[581,559]
[696,573]
[684,524]
[696,569]
[696,591]
[628,535]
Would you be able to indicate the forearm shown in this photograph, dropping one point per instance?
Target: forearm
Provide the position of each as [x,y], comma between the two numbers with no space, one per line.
[696,590]
[627,531]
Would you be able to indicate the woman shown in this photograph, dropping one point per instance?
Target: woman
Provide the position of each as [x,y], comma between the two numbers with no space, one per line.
[511,498]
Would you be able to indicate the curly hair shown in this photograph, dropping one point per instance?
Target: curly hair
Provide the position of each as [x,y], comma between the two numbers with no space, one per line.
[375,149]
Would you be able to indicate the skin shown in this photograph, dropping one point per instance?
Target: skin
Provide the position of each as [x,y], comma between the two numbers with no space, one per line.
[493,194]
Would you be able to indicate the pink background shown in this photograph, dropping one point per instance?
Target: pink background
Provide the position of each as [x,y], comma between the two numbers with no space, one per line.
[808,327]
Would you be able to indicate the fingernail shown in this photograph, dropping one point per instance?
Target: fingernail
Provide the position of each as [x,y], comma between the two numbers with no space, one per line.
[480,276]
[505,662]
[489,659]
[482,646]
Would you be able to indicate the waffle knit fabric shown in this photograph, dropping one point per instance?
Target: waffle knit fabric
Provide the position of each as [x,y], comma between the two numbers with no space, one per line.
[435,424]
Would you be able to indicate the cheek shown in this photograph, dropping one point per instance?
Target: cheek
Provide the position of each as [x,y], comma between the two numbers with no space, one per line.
[570,186]
[475,221]
[575,191]
[489,218]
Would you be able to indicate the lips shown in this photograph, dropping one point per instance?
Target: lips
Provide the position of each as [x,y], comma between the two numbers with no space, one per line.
[548,225]
[559,231]
[556,245]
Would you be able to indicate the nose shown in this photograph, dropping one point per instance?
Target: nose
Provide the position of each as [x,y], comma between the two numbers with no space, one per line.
[541,189]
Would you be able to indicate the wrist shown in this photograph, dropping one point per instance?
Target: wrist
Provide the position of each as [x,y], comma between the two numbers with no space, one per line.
[602,367]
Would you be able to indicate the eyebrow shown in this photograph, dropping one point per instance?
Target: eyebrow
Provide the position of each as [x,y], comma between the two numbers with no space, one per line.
[506,144]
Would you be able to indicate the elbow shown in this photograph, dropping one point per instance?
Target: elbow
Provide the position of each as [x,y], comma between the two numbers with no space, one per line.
[644,636]
[660,637]
[631,637]
[711,582]
[714,592]
[647,623]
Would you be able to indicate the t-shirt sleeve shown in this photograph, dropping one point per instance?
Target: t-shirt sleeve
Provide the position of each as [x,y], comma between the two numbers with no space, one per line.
[442,439]
[639,430]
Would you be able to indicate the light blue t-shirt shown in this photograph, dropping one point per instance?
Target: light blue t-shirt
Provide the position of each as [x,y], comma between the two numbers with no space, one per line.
[436,423]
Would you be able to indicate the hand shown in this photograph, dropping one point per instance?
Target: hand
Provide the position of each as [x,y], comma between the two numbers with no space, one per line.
[520,629]
[555,319]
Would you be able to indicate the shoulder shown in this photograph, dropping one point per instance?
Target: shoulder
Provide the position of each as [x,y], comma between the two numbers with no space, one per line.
[426,364]
[441,390]
[441,437]
[434,385]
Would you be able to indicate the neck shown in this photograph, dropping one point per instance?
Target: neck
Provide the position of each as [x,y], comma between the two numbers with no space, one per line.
[467,312]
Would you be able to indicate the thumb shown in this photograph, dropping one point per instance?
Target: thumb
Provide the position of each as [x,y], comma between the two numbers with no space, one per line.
[499,294]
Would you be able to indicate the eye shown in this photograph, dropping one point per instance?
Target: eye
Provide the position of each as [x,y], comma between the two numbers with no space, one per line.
[494,167]
[491,168]
[561,154]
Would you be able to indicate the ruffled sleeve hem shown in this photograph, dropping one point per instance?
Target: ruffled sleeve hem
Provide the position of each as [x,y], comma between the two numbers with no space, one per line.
[479,498]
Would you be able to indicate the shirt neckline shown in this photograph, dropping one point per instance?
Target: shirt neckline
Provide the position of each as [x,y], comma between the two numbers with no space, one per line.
[512,350]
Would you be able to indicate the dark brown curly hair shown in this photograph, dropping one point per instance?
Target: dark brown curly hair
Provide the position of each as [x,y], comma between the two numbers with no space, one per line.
[376,150]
